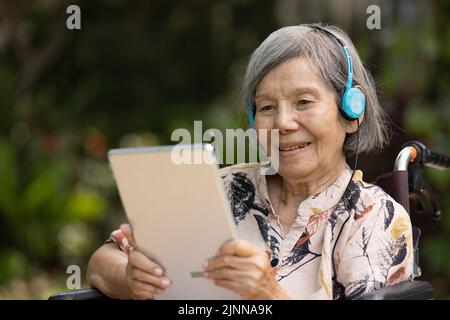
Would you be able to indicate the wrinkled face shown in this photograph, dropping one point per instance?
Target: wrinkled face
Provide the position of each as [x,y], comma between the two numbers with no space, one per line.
[295,99]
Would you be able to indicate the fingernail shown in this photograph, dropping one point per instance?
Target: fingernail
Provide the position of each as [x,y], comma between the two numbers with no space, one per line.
[206,274]
[165,282]
[158,272]
[205,264]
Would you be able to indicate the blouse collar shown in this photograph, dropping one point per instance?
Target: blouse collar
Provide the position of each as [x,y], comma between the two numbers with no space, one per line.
[316,203]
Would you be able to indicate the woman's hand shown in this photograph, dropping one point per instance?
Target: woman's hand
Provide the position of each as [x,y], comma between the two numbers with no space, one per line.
[244,269]
[144,277]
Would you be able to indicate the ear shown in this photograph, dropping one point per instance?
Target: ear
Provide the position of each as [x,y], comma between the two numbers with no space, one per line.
[351,126]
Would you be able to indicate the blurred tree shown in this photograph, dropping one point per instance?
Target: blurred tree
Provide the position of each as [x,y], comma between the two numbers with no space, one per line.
[135,72]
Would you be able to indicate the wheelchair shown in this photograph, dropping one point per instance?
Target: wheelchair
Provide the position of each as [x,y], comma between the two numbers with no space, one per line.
[405,185]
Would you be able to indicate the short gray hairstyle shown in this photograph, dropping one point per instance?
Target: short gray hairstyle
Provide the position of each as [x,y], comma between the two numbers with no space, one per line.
[328,55]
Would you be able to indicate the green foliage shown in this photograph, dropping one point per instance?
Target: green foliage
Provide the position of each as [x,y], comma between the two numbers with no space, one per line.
[420,121]
[135,72]
[12,264]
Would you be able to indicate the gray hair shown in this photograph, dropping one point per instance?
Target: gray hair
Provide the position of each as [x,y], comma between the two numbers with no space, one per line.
[328,55]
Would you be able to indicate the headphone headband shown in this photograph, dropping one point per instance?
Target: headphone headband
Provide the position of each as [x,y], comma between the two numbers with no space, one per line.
[347,54]
[353,100]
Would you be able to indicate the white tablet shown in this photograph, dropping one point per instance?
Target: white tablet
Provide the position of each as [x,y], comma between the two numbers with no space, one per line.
[179,212]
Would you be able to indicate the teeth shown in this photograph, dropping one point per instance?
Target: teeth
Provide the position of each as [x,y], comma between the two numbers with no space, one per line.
[295,147]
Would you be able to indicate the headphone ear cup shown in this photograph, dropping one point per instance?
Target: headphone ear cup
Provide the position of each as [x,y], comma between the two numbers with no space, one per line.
[353,103]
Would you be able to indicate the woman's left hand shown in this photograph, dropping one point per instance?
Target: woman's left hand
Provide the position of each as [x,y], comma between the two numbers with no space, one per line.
[244,269]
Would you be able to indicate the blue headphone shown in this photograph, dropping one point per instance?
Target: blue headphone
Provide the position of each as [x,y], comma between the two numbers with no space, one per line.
[353,101]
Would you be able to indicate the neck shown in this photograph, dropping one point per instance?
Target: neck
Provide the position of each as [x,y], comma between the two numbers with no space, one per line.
[296,190]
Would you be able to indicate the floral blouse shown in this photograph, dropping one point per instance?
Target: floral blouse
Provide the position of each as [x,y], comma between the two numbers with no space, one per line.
[339,246]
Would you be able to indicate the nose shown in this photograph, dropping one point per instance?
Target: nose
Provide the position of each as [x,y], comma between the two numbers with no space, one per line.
[286,120]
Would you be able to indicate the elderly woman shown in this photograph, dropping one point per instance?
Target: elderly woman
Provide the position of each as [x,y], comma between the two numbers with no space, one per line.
[314,230]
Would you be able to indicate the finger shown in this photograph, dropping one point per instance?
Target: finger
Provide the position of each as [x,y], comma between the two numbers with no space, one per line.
[142,290]
[255,262]
[234,275]
[236,287]
[138,260]
[142,295]
[238,247]
[159,291]
[160,282]
[227,261]
[126,229]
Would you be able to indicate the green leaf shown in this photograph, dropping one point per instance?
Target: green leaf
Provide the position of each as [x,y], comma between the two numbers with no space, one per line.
[437,253]
[421,121]
[85,206]
[12,264]
[8,178]
[46,189]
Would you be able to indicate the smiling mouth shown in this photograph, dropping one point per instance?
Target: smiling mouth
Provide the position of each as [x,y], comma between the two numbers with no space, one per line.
[300,146]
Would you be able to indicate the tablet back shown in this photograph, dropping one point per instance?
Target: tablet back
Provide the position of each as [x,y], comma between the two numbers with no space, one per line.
[179,213]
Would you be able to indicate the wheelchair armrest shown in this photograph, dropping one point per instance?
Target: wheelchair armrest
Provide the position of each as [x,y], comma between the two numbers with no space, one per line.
[409,290]
[80,294]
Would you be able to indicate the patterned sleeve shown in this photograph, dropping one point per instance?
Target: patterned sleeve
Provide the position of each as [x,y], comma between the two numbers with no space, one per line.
[379,251]
[120,239]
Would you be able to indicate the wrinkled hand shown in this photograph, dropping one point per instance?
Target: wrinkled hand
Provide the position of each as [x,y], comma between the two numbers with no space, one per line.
[244,269]
[144,277]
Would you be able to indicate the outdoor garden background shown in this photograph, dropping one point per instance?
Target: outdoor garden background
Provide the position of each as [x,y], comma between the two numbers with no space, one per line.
[137,70]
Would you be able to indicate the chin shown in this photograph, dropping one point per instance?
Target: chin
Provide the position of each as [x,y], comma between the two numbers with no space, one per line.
[296,169]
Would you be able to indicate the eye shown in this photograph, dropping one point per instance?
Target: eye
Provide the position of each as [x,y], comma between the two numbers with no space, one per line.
[303,102]
[266,108]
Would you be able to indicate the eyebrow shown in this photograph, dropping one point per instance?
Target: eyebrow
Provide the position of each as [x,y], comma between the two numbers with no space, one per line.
[296,92]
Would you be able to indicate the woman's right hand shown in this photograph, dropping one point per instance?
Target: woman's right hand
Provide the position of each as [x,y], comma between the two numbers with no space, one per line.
[145,278]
